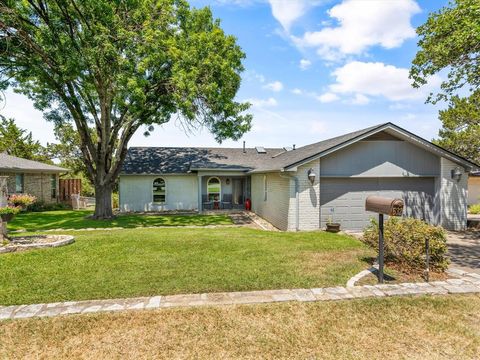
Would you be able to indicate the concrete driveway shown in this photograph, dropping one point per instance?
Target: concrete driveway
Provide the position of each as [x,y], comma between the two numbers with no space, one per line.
[464,249]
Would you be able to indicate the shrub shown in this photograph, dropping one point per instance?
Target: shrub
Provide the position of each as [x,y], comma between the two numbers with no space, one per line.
[22,200]
[39,206]
[405,243]
[474,209]
[115,201]
[9,210]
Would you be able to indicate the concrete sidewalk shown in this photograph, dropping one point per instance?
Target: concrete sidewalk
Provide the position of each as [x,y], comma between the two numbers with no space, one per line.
[466,283]
[464,250]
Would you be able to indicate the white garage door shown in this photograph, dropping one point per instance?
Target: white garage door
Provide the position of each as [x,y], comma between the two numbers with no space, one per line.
[343,199]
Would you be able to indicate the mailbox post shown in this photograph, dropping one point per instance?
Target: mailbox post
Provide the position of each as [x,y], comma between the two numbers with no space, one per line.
[383,206]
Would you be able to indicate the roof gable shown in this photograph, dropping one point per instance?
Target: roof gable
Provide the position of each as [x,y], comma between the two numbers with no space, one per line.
[390,129]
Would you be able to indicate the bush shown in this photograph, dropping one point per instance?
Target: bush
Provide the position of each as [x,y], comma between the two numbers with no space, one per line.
[9,210]
[405,243]
[42,206]
[115,200]
[474,209]
[22,200]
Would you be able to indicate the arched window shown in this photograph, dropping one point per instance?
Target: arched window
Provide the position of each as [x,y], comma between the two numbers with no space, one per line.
[214,189]
[159,191]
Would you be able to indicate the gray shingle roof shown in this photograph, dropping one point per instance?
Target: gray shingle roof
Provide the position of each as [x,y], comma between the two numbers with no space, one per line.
[11,163]
[174,160]
[170,160]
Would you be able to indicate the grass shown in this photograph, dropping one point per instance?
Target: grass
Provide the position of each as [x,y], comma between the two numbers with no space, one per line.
[142,262]
[78,219]
[394,274]
[443,327]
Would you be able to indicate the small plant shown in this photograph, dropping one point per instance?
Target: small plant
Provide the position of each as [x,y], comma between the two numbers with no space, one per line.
[474,209]
[10,210]
[22,200]
[405,243]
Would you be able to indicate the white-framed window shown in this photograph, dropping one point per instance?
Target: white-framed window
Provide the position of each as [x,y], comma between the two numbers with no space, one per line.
[19,183]
[265,188]
[53,182]
[159,191]
[214,189]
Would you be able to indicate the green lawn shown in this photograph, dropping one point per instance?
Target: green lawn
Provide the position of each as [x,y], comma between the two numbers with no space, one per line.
[142,262]
[68,219]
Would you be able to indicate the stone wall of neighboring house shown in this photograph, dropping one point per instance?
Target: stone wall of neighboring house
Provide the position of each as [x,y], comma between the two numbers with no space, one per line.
[136,192]
[275,207]
[473,190]
[36,184]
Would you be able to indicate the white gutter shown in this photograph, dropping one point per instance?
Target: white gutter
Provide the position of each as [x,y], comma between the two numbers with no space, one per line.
[297,199]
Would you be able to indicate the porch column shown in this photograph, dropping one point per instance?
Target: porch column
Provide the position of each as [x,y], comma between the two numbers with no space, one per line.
[200,205]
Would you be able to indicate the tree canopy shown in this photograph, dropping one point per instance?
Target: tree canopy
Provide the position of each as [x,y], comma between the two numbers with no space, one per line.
[19,142]
[450,42]
[110,67]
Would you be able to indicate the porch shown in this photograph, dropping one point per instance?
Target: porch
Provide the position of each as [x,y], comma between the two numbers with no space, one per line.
[223,192]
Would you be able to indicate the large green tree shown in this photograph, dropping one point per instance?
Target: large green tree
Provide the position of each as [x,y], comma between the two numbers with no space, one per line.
[19,142]
[111,67]
[450,42]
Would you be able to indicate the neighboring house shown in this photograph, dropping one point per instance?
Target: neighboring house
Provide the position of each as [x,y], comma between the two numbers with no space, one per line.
[303,188]
[474,188]
[31,177]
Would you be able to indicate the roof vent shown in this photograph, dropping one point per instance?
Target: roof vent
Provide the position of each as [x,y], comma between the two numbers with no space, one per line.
[260,149]
[287,148]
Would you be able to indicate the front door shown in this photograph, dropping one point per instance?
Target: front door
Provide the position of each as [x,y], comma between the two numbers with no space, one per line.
[237,191]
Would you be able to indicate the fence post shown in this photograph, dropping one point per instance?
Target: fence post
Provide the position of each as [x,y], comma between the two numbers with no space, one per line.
[427,259]
[380,248]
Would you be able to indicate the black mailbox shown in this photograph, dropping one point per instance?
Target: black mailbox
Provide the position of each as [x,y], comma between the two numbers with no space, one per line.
[383,205]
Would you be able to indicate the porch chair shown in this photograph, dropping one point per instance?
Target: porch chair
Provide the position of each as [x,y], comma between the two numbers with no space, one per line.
[206,204]
[227,201]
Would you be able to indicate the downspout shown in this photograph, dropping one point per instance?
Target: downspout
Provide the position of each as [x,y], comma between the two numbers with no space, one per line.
[297,199]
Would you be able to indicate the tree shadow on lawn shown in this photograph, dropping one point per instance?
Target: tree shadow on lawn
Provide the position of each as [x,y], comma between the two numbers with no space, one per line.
[80,219]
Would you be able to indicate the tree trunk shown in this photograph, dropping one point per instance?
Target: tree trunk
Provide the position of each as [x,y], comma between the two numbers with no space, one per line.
[103,202]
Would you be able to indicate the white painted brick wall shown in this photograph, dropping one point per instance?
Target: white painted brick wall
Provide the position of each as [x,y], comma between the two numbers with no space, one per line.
[136,193]
[309,196]
[275,209]
[452,197]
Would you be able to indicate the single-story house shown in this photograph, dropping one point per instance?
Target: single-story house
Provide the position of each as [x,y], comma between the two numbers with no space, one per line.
[474,188]
[31,177]
[303,188]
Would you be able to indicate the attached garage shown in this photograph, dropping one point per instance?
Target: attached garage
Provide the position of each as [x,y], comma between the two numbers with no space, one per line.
[343,199]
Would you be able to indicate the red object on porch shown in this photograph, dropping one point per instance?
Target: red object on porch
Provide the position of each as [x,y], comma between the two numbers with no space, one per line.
[248,205]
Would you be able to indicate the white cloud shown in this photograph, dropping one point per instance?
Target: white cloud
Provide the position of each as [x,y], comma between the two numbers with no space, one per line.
[305,64]
[360,99]
[261,103]
[274,86]
[327,97]
[288,11]
[297,91]
[378,79]
[362,24]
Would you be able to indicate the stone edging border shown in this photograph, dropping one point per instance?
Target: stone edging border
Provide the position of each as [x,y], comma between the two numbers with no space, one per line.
[468,283]
[67,239]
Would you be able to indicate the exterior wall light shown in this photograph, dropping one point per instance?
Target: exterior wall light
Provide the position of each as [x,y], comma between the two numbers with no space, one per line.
[457,174]
[311,175]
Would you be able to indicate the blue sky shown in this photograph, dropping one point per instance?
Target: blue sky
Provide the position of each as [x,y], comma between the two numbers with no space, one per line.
[314,69]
